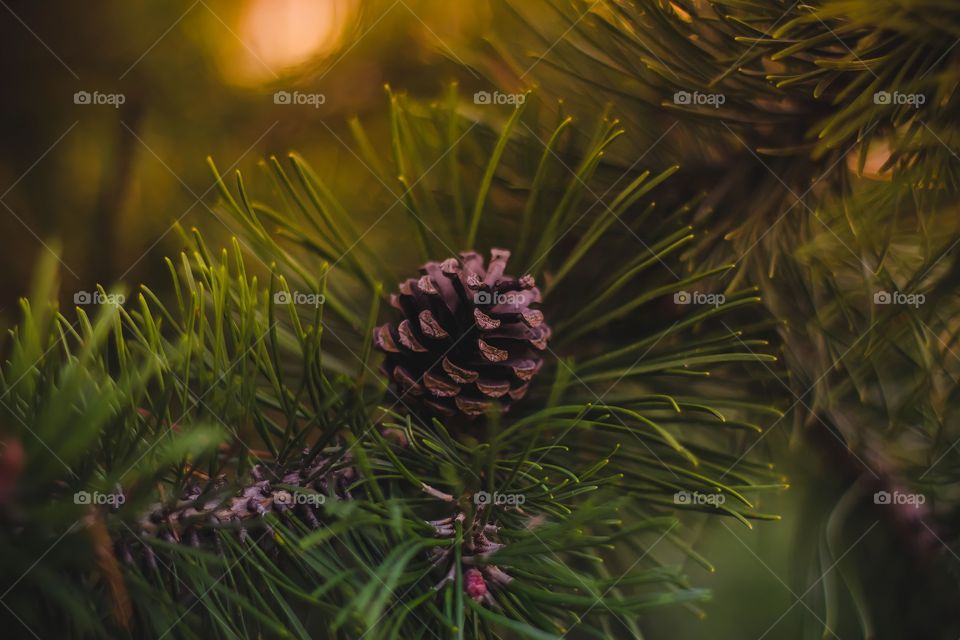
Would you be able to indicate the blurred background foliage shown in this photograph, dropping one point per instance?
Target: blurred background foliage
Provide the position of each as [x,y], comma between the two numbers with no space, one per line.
[199,78]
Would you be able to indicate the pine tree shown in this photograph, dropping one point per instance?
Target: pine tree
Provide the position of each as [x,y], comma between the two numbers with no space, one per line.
[228,462]
[265,446]
[823,138]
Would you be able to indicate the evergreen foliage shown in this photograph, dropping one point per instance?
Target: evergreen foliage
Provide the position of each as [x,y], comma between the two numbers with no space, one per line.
[828,166]
[228,461]
[274,486]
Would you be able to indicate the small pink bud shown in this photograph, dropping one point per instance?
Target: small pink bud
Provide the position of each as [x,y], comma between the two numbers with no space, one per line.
[476,586]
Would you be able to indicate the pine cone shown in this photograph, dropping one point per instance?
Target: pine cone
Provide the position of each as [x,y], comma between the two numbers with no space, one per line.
[469,340]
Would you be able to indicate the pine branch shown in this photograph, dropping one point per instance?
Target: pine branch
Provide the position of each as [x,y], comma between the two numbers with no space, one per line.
[408,526]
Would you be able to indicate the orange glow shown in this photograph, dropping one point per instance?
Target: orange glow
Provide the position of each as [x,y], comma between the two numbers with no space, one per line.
[277,35]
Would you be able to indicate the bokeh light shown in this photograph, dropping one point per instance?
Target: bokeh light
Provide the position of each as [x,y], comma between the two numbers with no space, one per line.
[277,36]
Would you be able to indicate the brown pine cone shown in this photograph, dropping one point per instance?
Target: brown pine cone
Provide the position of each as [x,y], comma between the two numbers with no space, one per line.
[469,340]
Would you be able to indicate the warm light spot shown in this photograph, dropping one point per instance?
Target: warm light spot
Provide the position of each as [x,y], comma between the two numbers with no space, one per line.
[878,153]
[277,35]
